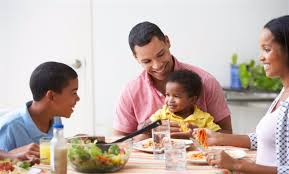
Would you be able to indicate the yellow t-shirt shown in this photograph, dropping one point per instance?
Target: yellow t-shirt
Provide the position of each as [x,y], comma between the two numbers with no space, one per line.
[198,118]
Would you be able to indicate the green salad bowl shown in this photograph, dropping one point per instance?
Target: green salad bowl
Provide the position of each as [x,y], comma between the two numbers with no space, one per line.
[87,156]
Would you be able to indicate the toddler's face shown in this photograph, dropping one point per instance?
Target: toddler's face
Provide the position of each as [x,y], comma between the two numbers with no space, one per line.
[178,100]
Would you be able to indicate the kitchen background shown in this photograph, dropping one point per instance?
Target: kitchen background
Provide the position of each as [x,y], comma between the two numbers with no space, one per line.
[91,36]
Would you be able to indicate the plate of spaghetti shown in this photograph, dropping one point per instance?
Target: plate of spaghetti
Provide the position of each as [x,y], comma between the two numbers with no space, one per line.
[197,157]
[202,137]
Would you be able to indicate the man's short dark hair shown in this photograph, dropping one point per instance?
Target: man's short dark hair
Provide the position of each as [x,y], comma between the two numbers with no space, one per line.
[190,81]
[142,33]
[50,76]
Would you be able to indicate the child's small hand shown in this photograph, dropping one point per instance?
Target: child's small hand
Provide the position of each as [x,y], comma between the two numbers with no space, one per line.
[191,126]
[176,131]
[175,127]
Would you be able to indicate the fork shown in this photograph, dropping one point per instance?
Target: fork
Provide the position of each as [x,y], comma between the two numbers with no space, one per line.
[198,145]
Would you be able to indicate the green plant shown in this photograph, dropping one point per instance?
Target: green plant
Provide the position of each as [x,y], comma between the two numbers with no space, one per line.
[234,59]
[253,76]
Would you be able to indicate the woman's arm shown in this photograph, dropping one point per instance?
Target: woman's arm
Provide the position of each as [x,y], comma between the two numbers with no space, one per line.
[253,168]
[222,160]
[222,139]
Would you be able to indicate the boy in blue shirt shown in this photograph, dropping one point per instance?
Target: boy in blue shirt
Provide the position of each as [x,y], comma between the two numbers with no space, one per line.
[54,88]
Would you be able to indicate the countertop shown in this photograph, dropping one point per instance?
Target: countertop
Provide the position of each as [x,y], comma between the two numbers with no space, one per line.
[233,95]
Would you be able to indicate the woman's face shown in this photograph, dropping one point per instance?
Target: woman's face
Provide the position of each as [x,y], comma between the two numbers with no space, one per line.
[155,58]
[272,55]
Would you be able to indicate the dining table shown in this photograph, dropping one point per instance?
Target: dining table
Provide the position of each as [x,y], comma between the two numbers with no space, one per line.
[141,163]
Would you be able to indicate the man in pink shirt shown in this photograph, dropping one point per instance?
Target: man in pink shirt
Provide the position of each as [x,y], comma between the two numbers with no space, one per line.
[145,95]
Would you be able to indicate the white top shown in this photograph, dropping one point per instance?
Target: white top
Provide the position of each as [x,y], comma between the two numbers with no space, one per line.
[265,131]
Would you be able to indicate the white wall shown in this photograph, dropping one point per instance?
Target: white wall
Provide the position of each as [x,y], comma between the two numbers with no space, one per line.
[202,32]
[35,31]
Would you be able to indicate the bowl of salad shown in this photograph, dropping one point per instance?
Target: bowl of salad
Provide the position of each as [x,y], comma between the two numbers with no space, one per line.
[86,154]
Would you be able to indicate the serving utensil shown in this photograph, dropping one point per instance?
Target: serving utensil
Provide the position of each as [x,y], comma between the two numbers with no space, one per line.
[135,133]
[198,145]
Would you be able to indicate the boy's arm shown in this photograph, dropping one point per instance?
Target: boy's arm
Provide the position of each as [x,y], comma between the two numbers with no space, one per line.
[28,152]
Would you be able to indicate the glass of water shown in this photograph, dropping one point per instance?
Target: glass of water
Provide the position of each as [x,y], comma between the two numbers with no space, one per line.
[175,156]
[160,136]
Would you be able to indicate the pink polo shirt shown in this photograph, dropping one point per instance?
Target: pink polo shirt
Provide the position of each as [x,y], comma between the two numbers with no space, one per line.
[140,99]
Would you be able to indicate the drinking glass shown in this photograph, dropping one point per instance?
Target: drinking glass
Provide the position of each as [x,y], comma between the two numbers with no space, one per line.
[175,156]
[160,135]
[44,144]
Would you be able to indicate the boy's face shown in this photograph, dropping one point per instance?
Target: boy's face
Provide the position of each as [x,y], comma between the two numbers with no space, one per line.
[65,101]
[155,58]
[177,99]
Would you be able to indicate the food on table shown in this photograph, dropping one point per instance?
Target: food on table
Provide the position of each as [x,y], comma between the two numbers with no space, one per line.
[148,144]
[8,166]
[202,137]
[86,156]
[196,155]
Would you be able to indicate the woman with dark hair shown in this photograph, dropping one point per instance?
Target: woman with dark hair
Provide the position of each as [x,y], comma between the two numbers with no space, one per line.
[271,138]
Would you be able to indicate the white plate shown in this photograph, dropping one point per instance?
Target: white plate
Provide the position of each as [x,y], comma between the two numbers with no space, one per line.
[195,160]
[139,145]
[234,153]
[226,148]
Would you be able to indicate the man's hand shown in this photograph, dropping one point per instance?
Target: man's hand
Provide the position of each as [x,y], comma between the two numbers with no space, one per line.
[28,152]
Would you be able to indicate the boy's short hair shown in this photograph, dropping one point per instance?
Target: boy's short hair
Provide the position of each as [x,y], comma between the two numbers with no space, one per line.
[191,81]
[50,76]
[142,33]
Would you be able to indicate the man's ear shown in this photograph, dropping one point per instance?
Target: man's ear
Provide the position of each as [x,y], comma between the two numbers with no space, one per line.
[193,100]
[167,41]
[134,55]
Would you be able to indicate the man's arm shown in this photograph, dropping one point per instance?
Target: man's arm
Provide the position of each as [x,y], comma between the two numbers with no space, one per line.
[226,125]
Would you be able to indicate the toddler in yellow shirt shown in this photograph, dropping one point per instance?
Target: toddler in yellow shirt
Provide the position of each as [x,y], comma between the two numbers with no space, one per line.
[183,88]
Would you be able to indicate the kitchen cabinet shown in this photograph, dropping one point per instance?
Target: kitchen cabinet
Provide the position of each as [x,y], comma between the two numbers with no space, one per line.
[247,108]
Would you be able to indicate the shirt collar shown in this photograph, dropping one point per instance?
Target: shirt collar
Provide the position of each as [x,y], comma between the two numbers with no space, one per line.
[196,112]
[29,124]
[177,64]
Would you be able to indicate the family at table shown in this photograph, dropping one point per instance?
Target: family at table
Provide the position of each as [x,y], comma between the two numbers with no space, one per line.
[187,95]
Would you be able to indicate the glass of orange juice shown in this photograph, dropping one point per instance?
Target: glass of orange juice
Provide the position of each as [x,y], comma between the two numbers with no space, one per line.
[44,144]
